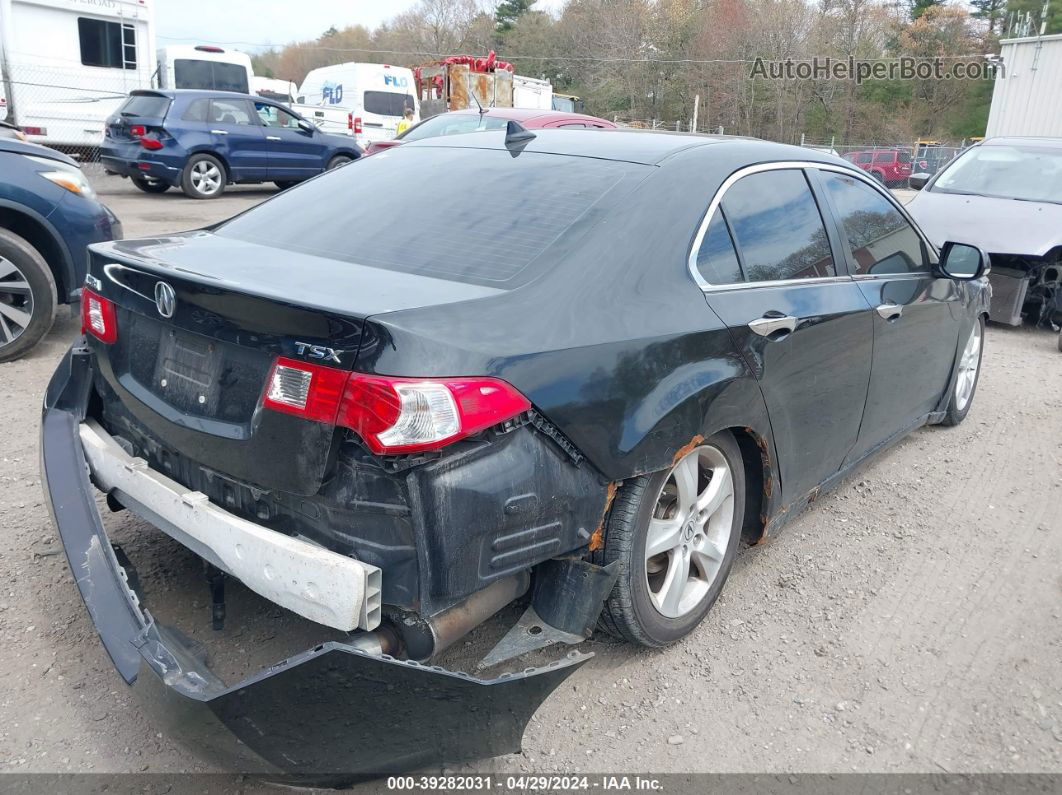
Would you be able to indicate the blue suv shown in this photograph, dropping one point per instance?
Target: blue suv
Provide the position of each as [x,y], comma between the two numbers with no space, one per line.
[48,216]
[201,141]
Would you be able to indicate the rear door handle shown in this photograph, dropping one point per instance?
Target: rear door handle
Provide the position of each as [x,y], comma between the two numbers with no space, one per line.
[890,311]
[273,138]
[219,132]
[769,326]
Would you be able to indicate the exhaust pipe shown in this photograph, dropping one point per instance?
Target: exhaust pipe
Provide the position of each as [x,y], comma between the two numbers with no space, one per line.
[423,638]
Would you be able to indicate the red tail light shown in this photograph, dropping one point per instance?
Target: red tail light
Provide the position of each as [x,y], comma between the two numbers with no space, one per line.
[356,125]
[392,415]
[98,317]
[153,144]
[138,131]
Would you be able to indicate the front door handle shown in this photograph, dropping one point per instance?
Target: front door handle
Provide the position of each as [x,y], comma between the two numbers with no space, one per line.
[771,326]
[890,311]
[273,138]
[219,132]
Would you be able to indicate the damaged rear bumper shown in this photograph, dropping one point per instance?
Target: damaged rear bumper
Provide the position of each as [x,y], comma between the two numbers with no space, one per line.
[330,713]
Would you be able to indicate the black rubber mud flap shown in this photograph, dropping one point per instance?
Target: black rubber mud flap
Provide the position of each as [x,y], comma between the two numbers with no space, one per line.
[330,715]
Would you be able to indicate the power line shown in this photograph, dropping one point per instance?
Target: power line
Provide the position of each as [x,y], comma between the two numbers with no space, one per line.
[583,58]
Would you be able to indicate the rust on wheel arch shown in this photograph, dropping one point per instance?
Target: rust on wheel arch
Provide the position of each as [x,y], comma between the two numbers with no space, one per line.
[597,540]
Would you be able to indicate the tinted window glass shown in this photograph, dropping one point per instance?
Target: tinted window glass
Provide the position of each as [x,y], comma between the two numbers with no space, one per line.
[716,259]
[453,124]
[387,103]
[884,157]
[198,110]
[863,158]
[209,75]
[145,105]
[777,227]
[107,44]
[534,200]
[880,239]
[225,111]
[903,157]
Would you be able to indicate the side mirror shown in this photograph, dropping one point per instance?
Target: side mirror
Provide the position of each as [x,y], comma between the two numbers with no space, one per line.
[306,126]
[918,181]
[963,261]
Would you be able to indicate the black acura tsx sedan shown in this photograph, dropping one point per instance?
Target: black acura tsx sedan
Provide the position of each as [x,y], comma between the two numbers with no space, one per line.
[575,369]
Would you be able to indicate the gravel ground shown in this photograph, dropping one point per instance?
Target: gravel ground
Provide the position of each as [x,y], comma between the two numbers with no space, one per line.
[909,621]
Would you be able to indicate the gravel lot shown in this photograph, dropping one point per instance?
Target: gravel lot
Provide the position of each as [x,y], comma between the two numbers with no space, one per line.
[910,621]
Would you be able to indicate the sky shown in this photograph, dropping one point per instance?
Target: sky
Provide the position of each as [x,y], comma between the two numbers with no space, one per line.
[252,24]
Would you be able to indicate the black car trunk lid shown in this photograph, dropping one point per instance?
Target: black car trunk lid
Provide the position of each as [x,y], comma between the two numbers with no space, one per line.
[194,381]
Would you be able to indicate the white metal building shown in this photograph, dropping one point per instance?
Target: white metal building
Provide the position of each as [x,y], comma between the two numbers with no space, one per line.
[1027,97]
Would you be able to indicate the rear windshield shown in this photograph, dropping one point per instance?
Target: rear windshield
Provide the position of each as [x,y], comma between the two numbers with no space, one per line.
[149,105]
[209,75]
[387,103]
[453,124]
[471,215]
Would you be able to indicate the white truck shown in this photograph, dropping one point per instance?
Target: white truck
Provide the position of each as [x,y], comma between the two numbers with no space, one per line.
[365,100]
[531,92]
[283,91]
[66,65]
[204,66]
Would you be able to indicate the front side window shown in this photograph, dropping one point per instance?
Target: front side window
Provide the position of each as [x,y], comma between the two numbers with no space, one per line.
[111,45]
[272,116]
[717,261]
[231,111]
[880,240]
[777,227]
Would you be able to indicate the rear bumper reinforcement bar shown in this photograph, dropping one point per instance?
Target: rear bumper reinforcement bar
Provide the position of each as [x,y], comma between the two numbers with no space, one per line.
[330,714]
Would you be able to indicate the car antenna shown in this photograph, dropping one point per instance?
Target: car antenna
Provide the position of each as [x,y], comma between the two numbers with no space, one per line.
[516,135]
[482,109]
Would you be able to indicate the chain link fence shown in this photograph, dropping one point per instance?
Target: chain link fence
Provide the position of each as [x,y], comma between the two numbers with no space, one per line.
[66,107]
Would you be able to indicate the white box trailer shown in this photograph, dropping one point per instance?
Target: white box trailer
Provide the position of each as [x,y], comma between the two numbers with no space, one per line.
[1027,96]
[530,92]
[66,65]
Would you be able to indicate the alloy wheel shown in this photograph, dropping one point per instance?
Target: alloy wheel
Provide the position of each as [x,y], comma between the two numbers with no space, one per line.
[206,177]
[969,363]
[16,302]
[690,531]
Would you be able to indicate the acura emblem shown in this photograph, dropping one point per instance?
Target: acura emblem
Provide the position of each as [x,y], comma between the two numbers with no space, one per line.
[165,299]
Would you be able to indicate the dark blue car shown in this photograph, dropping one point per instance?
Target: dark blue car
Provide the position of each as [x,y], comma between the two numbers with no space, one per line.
[48,216]
[200,141]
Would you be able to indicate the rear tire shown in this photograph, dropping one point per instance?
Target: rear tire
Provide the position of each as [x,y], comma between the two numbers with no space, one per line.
[149,185]
[643,607]
[28,296]
[968,373]
[203,177]
[337,161]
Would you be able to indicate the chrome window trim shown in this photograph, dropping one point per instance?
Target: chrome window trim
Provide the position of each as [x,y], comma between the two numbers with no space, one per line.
[782,165]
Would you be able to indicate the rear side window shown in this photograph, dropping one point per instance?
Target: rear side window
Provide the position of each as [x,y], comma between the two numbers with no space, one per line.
[778,228]
[863,157]
[107,44]
[350,214]
[387,103]
[145,105]
[716,259]
[903,157]
[232,111]
[884,157]
[880,240]
[197,110]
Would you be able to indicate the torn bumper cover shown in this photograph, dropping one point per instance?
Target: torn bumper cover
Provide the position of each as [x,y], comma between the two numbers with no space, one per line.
[330,713]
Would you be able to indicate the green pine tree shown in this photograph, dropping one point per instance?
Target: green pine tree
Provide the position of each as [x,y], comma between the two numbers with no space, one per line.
[506,14]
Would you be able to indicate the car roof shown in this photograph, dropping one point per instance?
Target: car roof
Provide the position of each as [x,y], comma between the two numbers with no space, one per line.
[633,146]
[175,93]
[1023,140]
[538,115]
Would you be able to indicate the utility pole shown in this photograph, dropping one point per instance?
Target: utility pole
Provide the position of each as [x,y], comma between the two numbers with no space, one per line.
[696,107]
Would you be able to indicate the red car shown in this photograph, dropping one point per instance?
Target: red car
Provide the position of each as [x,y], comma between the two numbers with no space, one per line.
[891,166]
[465,121]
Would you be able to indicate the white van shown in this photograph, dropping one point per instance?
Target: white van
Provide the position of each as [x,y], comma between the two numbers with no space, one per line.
[204,67]
[365,100]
